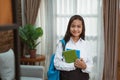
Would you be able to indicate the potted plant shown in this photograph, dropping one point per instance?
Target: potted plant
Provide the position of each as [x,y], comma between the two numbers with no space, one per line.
[29,35]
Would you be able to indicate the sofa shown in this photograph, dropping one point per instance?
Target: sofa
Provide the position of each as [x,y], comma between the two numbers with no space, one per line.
[27,72]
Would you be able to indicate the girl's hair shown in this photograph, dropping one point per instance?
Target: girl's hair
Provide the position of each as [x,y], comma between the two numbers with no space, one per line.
[68,34]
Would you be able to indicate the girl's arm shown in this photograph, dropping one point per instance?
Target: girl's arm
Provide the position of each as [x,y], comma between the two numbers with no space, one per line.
[59,62]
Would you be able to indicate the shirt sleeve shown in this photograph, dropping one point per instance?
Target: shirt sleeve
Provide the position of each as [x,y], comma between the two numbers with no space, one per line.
[89,64]
[88,59]
[59,62]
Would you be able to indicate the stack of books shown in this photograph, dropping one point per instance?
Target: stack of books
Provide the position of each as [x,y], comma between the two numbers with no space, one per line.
[71,55]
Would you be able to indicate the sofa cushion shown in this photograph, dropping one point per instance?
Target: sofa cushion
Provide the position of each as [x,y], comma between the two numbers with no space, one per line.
[7,65]
[30,78]
[32,71]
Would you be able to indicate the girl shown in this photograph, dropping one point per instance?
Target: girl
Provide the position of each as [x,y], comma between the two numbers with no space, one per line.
[75,39]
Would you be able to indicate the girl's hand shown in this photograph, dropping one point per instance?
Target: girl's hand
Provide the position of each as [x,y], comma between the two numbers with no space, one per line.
[79,63]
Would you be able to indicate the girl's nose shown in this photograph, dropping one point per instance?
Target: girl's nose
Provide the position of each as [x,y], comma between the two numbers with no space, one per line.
[75,28]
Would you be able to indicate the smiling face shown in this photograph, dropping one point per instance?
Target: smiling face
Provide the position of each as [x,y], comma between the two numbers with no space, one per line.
[76,28]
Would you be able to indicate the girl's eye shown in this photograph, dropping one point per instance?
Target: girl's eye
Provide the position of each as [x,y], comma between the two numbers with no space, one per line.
[73,26]
[79,26]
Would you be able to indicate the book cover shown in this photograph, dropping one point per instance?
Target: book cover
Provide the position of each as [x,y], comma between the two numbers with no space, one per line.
[77,52]
[70,56]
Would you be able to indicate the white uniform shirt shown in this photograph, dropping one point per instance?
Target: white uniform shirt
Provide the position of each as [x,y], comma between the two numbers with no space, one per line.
[81,45]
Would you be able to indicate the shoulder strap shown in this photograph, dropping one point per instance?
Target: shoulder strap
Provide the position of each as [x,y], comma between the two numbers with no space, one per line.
[63,44]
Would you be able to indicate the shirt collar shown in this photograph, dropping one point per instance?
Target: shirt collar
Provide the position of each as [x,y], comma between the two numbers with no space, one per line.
[75,42]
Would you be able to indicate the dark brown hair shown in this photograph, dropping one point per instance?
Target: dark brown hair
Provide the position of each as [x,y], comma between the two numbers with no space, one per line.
[68,34]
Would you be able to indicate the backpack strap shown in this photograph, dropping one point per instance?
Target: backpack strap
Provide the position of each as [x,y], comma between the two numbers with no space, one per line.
[63,44]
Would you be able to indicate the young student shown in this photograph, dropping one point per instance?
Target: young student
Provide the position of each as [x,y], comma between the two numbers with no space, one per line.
[75,39]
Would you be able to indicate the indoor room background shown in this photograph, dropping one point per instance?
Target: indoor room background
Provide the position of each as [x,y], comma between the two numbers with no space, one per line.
[102,24]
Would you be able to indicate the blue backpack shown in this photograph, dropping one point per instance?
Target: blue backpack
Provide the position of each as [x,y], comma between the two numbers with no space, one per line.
[53,73]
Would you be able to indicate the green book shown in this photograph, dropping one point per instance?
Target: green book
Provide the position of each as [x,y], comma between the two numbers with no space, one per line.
[70,56]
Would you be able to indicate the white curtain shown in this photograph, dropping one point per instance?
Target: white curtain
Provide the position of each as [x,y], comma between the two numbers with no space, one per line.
[98,60]
[45,19]
[40,22]
[41,48]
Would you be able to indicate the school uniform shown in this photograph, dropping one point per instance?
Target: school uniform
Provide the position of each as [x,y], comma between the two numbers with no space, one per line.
[67,70]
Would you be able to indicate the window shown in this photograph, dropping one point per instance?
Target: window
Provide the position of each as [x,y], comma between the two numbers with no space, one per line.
[64,9]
